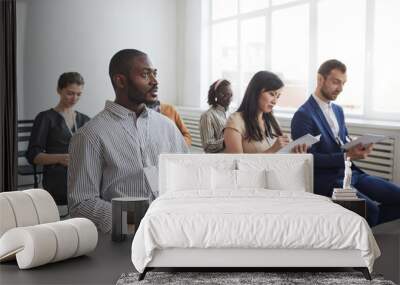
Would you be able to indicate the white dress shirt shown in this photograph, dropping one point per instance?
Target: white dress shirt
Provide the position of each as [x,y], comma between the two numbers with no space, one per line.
[329,116]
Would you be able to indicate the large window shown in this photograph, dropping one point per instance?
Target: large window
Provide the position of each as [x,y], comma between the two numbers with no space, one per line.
[293,37]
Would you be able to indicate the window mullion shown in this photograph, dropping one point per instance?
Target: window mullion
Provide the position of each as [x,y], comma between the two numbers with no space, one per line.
[239,56]
[268,37]
[313,46]
[368,99]
[210,43]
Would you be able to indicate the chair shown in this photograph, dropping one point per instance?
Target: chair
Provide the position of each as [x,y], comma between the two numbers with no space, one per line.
[24,128]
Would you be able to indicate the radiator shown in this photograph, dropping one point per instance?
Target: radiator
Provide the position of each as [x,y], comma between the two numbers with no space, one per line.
[191,118]
[192,123]
[381,162]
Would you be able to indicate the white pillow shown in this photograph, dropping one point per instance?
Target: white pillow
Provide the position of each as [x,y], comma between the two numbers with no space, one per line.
[183,177]
[281,174]
[251,178]
[293,180]
[223,179]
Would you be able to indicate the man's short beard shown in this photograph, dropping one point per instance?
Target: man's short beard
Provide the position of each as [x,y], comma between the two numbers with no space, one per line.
[152,103]
[134,95]
[134,100]
[325,95]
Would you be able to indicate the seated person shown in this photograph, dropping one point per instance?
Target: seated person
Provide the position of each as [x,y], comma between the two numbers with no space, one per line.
[109,156]
[51,133]
[318,115]
[253,128]
[169,111]
[212,121]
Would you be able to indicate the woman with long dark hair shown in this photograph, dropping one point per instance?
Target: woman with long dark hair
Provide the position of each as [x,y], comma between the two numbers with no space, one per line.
[253,127]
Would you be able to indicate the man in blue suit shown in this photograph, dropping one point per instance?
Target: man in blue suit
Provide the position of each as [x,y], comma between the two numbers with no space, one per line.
[319,116]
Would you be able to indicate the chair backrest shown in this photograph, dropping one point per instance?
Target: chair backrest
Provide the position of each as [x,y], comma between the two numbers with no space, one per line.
[24,129]
[284,171]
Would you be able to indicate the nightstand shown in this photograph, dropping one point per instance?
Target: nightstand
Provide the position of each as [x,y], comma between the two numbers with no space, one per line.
[357,206]
[127,212]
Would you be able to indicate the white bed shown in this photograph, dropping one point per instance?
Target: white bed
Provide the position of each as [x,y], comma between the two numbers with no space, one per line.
[247,211]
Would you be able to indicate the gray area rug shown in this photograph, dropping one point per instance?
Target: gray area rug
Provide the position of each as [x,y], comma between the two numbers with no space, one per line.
[229,278]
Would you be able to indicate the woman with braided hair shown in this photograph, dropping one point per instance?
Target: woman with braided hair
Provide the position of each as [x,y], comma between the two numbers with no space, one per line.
[212,121]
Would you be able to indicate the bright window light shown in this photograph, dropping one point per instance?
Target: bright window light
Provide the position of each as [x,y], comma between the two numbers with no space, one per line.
[293,37]
[252,5]
[386,83]
[289,53]
[280,2]
[252,51]
[225,53]
[341,35]
[223,8]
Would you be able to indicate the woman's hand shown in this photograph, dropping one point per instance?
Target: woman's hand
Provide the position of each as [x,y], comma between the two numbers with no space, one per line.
[51,159]
[279,143]
[300,148]
[63,159]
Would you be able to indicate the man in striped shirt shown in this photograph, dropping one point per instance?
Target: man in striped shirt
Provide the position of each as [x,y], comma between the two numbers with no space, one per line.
[109,154]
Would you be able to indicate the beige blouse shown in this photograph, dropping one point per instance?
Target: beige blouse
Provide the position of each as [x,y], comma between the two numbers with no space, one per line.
[236,123]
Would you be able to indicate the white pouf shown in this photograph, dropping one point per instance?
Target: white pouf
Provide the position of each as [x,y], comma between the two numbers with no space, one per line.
[40,244]
[31,233]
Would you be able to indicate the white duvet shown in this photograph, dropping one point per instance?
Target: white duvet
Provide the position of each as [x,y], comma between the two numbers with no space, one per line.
[252,218]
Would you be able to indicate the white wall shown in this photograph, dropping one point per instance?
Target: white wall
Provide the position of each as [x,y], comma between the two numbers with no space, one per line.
[192,62]
[74,35]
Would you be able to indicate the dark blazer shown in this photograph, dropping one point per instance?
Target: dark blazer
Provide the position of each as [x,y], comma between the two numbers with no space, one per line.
[328,156]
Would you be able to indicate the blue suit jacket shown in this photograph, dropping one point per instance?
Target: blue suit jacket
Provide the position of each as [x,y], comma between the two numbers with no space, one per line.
[328,156]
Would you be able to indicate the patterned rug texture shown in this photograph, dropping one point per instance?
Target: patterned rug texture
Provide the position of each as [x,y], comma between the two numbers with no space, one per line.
[253,278]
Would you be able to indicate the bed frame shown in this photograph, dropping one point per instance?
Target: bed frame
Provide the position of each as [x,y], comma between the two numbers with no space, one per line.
[244,259]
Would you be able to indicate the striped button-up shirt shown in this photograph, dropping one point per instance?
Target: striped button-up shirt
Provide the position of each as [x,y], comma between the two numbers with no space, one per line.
[212,124]
[108,155]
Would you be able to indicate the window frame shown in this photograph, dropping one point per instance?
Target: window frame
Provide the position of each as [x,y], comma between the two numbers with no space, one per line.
[367,111]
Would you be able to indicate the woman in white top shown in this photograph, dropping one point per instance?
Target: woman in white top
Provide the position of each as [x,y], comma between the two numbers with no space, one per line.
[253,128]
